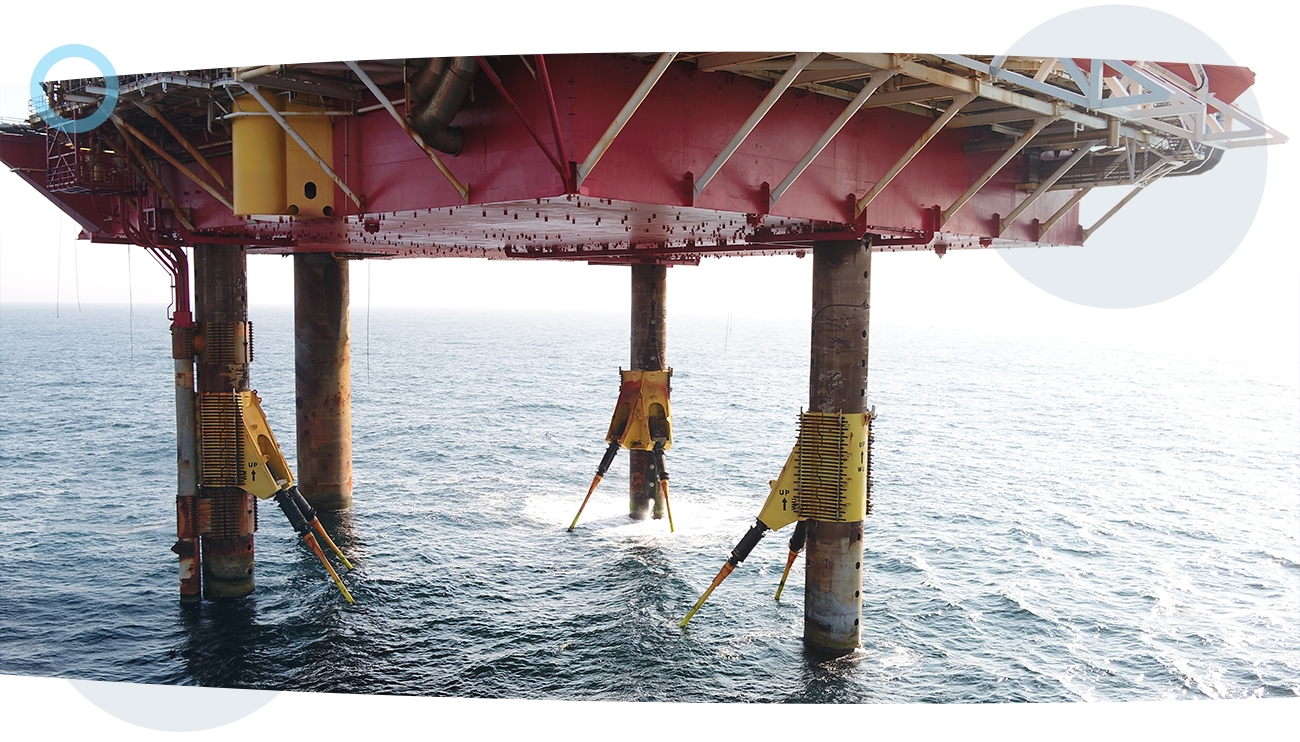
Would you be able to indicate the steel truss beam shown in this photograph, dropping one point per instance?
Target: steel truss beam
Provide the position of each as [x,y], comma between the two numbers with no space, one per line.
[993,170]
[957,102]
[801,60]
[1042,188]
[625,115]
[877,79]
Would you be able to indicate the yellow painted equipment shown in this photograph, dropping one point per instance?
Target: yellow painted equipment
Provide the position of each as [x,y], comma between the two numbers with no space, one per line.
[257,146]
[265,470]
[642,421]
[825,478]
[233,428]
[642,414]
[309,192]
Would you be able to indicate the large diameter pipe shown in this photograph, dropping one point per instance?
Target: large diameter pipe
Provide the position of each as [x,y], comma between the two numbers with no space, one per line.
[221,295]
[649,345]
[838,383]
[323,380]
[433,119]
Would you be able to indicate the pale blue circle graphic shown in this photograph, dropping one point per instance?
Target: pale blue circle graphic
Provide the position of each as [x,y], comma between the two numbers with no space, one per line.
[74,51]
[173,708]
[1178,231]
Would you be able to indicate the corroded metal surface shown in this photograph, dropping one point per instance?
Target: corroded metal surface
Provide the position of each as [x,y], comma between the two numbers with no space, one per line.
[228,514]
[323,380]
[837,383]
[649,346]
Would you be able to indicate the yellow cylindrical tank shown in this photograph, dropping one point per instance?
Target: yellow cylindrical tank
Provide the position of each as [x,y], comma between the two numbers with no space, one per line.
[309,192]
[258,150]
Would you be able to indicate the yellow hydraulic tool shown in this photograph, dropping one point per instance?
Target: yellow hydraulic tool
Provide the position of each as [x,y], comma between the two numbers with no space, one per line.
[265,474]
[642,421]
[825,478]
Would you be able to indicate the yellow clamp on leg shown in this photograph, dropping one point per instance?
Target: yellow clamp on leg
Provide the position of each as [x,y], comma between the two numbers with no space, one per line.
[824,478]
[642,421]
[266,474]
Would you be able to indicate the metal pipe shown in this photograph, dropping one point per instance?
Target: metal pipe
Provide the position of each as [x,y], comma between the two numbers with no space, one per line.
[1061,212]
[146,172]
[173,161]
[496,82]
[187,441]
[426,80]
[253,91]
[189,147]
[957,103]
[555,121]
[1114,210]
[377,106]
[463,190]
[1043,188]
[433,118]
[649,345]
[246,114]
[841,304]
[1024,139]
[323,380]
[240,74]
[801,60]
[625,115]
[877,79]
[221,298]
[991,92]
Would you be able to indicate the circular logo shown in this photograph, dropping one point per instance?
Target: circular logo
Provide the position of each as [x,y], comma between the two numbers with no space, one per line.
[74,51]
[1179,230]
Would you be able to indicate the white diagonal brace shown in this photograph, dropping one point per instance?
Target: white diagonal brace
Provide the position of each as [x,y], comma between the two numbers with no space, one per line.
[1038,126]
[1046,185]
[957,102]
[1051,221]
[877,79]
[463,190]
[801,60]
[625,115]
[1114,210]
[253,91]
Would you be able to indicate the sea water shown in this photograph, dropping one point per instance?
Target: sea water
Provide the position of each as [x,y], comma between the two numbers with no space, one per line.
[1051,520]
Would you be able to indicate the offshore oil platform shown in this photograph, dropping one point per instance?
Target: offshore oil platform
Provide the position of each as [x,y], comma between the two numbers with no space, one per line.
[643,160]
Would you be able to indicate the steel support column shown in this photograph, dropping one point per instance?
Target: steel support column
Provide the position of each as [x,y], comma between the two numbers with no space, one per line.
[841,294]
[649,342]
[221,297]
[323,380]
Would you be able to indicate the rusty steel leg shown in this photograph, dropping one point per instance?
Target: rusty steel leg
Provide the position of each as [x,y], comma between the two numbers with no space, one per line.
[838,383]
[221,296]
[649,344]
[323,378]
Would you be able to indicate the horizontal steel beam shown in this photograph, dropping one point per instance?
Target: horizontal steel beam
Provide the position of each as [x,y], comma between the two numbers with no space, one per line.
[992,92]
